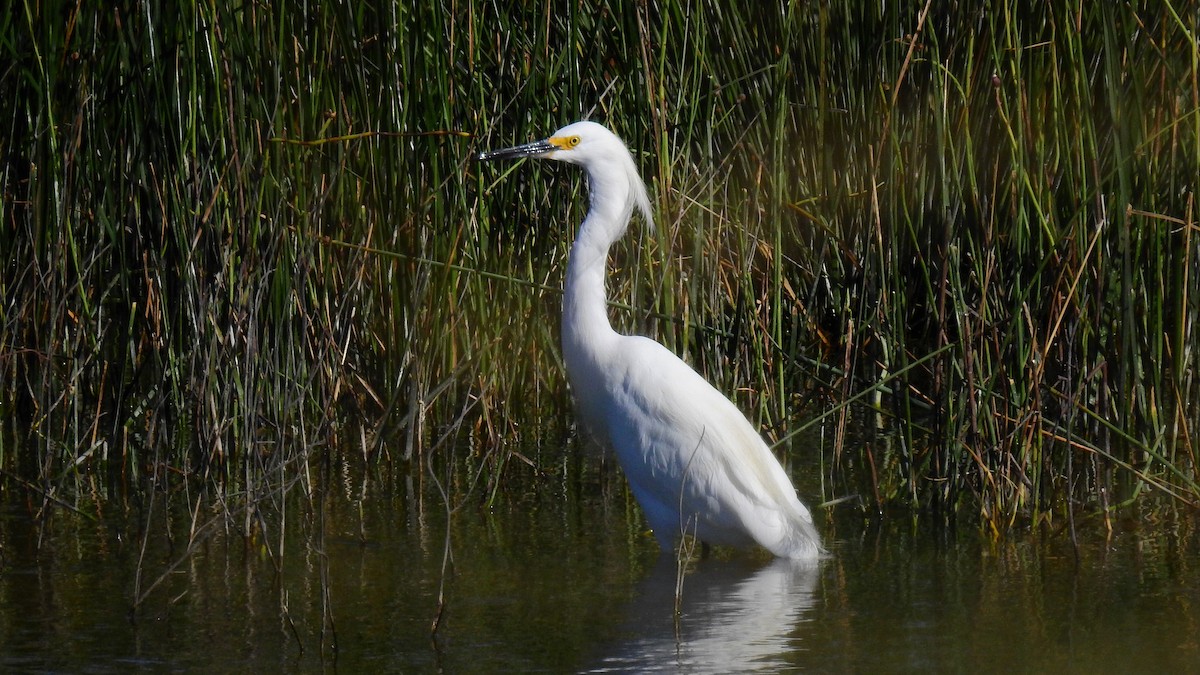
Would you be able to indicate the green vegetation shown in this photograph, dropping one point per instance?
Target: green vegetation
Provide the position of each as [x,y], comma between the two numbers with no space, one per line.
[245,240]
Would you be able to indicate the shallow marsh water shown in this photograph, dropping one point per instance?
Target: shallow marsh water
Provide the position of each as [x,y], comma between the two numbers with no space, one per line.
[558,577]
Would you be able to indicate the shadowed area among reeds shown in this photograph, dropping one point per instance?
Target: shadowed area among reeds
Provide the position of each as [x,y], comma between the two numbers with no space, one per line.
[246,242]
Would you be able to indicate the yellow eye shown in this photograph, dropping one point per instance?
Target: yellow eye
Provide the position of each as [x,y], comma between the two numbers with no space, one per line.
[565,142]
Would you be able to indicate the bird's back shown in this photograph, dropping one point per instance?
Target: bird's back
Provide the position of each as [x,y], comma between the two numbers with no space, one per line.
[695,463]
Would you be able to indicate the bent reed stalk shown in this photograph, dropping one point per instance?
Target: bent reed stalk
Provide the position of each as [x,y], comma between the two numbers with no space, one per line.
[963,239]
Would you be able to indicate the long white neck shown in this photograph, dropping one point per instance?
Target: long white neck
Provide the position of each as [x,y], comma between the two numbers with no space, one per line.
[585,306]
[615,190]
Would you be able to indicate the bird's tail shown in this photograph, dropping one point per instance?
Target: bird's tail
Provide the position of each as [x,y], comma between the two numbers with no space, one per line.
[799,539]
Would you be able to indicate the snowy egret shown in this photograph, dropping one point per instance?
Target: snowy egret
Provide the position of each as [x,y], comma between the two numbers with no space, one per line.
[693,460]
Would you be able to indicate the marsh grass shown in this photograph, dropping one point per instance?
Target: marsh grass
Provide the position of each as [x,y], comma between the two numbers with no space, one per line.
[246,241]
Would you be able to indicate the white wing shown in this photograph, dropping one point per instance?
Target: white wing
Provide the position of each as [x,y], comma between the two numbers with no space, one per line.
[695,464]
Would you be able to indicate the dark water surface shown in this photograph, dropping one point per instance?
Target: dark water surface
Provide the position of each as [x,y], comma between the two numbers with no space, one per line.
[559,578]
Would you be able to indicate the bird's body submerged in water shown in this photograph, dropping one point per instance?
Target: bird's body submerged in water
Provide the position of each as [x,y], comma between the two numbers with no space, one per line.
[693,460]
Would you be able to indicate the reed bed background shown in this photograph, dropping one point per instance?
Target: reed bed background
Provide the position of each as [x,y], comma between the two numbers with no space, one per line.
[246,242]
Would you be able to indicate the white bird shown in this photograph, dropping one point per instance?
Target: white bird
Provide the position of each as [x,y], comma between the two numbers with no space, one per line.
[694,462]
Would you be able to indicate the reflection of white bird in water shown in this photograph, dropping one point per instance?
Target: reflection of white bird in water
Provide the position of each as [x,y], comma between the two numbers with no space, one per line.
[732,618]
[693,461]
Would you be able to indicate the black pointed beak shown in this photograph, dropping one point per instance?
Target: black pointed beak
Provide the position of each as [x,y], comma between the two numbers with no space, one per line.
[535,149]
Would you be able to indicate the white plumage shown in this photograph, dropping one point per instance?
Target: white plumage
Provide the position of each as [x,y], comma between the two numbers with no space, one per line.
[693,460]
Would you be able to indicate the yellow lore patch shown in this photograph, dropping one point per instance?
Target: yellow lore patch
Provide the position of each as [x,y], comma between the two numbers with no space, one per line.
[564,142]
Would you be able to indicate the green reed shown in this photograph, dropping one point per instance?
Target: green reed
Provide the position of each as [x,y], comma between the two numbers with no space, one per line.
[246,240]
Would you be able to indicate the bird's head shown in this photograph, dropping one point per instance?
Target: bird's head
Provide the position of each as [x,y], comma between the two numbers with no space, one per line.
[579,143]
[597,150]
